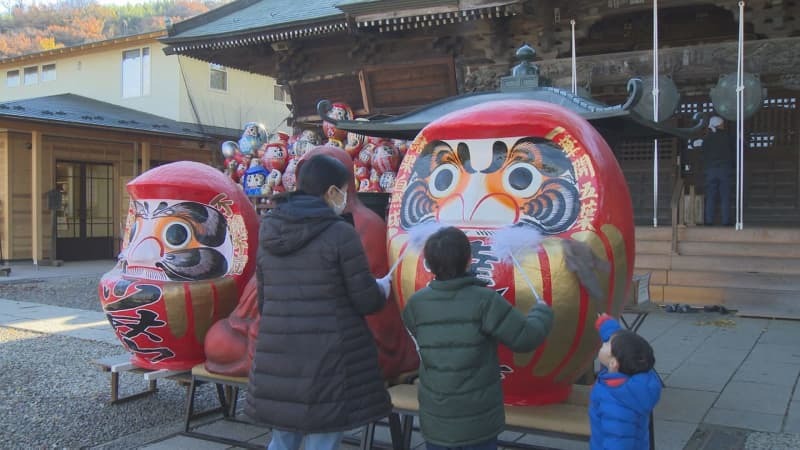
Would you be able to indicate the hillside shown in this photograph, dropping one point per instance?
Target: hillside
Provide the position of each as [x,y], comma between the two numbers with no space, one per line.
[38,27]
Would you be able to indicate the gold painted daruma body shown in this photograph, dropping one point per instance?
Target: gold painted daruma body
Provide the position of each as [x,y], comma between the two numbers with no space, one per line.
[535,164]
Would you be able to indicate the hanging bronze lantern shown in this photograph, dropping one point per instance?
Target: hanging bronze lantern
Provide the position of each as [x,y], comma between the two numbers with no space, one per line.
[723,95]
[668,98]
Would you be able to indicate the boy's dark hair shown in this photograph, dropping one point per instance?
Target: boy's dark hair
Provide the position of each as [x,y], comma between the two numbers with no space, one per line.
[447,253]
[633,353]
[319,173]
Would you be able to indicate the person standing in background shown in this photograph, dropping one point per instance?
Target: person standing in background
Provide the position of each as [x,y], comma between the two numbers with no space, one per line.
[718,161]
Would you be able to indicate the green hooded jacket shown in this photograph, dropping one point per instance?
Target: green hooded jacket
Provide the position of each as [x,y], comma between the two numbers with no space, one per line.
[457,325]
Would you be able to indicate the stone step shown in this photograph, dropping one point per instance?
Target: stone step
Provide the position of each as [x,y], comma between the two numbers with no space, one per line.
[735,264]
[773,250]
[653,234]
[763,281]
[752,264]
[651,262]
[653,247]
[728,234]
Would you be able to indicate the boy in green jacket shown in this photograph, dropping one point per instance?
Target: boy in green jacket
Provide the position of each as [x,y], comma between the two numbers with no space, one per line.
[457,323]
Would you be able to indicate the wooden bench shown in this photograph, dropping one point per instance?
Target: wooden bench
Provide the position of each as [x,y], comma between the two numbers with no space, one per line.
[122,363]
[227,394]
[568,420]
[228,391]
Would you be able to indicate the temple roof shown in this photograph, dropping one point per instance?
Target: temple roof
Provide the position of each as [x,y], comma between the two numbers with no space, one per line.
[251,22]
[270,20]
[75,110]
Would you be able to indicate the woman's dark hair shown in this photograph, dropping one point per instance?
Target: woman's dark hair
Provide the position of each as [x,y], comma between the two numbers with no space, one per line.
[447,253]
[320,173]
[633,353]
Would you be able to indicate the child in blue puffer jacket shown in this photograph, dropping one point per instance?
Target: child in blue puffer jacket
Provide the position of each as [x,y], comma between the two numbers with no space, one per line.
[626,391]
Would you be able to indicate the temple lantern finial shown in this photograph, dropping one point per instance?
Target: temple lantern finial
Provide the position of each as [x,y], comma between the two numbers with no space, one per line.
[524,75]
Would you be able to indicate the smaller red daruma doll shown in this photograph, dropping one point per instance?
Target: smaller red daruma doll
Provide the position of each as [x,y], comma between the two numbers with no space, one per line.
[365,156]
[274,157]
[386,181]
[355,142]
[374,178]
[361,172]
[385,158]
[339,111]
[289,178]
[402,146]
[281,137]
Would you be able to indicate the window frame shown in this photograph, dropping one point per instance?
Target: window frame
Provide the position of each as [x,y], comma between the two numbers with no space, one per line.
[25,73]
[219,69]
[44,79]
[18,77]
[141,67]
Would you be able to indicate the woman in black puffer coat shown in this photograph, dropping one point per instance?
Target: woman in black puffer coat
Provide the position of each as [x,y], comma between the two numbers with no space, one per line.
[315,371]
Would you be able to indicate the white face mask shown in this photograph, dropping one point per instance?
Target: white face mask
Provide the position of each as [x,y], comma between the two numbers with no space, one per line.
[338,208]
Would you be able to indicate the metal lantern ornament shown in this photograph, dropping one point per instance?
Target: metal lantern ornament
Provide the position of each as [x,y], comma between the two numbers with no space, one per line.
[723,96]
[522,163]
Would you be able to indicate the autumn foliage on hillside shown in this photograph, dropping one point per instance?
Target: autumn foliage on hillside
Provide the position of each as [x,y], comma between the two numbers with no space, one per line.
[39,27]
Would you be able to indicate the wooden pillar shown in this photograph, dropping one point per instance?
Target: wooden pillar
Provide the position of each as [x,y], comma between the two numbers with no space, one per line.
[145,148]
[36,196]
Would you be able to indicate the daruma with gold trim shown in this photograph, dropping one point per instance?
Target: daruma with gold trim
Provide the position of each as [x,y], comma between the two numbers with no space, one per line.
[188,250]
[501,163]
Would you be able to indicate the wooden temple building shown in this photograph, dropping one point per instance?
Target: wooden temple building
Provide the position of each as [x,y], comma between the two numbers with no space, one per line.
[386,58]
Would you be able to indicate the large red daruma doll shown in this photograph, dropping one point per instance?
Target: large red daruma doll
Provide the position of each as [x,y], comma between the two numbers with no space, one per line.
[522,161]
[188,250]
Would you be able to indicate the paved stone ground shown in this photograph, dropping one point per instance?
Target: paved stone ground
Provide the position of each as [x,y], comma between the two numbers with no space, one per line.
[730,381]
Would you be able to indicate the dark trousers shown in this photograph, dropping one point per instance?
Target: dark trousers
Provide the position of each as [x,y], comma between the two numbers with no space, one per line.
[718,182]
[488,445]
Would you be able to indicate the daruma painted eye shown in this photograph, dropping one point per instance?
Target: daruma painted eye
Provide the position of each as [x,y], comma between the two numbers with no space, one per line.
[177,235]
[522,179]
[444,180]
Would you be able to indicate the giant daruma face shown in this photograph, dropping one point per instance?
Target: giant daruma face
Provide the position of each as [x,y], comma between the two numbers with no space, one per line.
[502,163]
[188,250]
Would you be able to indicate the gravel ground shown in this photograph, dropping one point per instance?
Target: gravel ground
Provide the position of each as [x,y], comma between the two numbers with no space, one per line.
[71,291]
[54,397]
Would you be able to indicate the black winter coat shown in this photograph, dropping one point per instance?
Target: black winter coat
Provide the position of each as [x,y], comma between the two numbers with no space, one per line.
[315,368]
